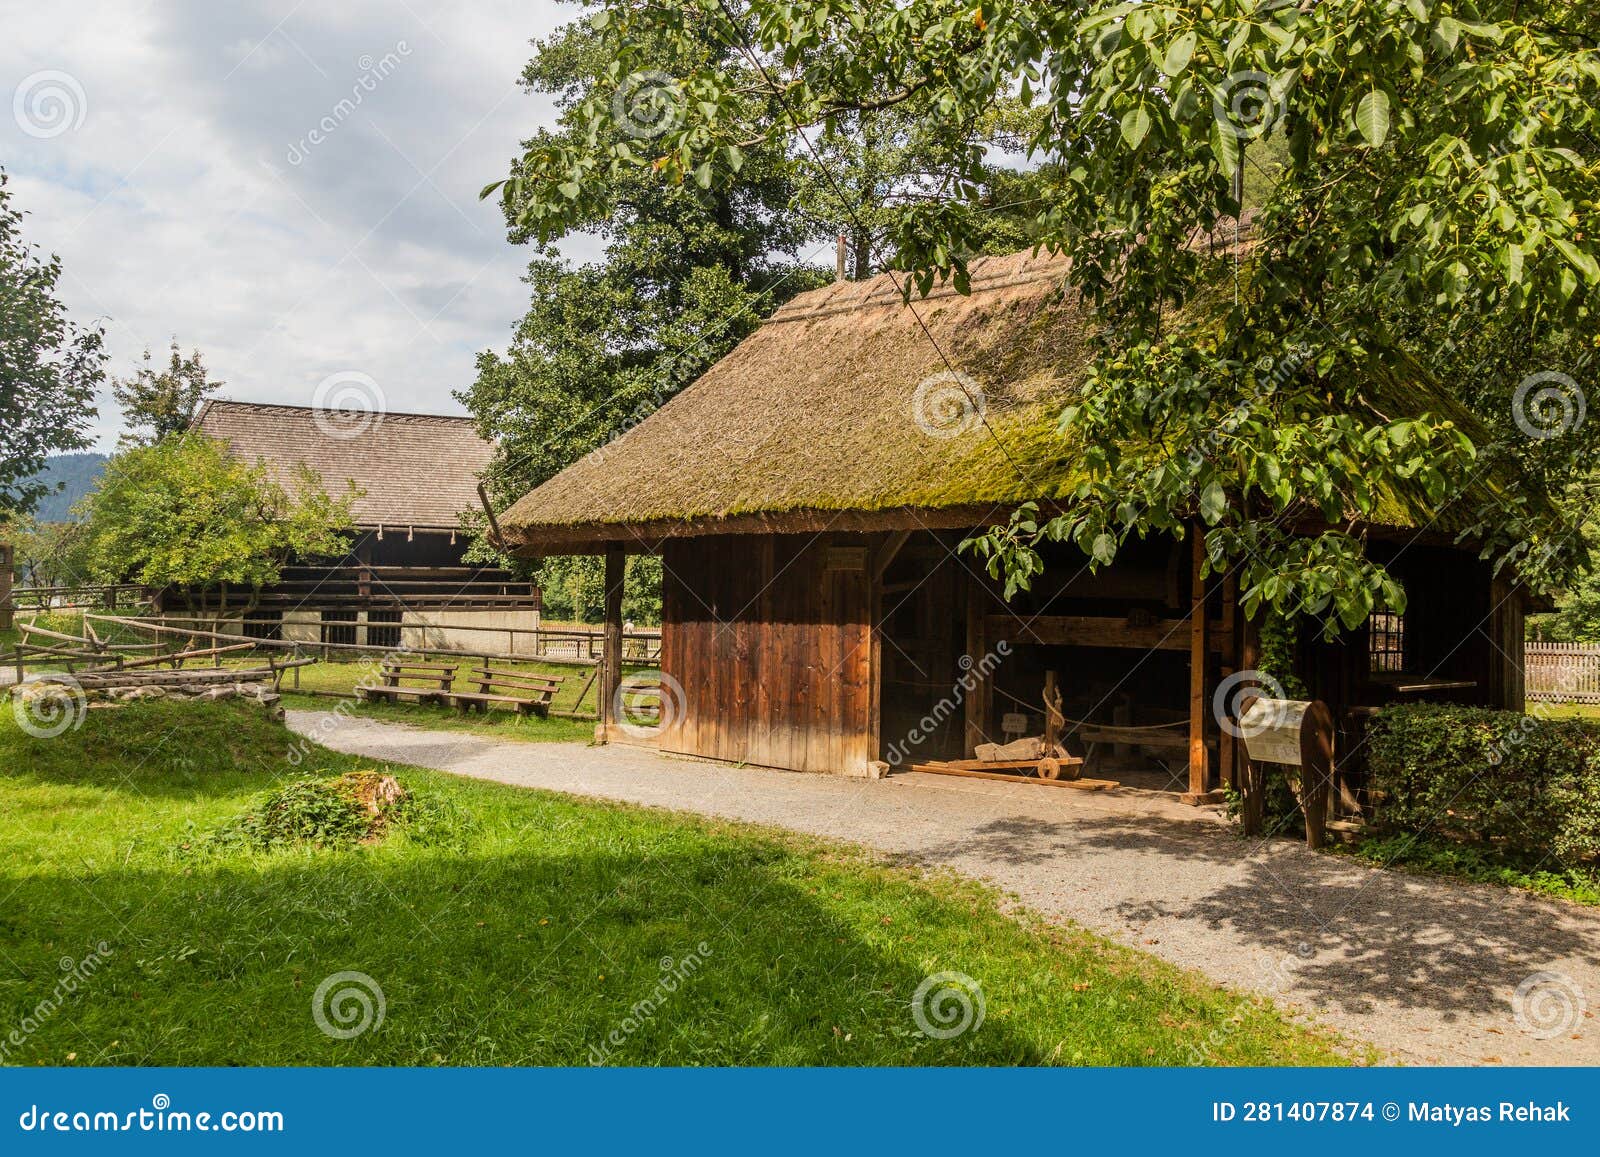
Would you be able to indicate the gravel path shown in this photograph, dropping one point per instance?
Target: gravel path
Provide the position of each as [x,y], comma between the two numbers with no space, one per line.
[1425,969]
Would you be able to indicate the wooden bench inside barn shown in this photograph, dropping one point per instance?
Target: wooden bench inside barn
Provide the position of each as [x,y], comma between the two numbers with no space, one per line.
[432,683]
[524,692]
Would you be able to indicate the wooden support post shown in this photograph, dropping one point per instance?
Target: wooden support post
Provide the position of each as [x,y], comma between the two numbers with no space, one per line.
[976,703]
[1226,757]
[611,656]
[8,607]
[1316,771]
[1251,775]
[1199,657]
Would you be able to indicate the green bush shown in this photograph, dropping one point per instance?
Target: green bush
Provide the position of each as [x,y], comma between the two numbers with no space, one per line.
[1519,784]
[340,812]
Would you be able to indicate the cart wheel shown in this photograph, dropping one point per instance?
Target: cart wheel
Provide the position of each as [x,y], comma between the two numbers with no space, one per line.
[1049,768]
[1072,769]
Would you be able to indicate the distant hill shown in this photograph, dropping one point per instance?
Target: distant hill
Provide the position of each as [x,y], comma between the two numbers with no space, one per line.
[78,472]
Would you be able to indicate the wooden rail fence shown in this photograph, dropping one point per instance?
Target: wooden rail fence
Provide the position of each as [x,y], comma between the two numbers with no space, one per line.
[1563,673]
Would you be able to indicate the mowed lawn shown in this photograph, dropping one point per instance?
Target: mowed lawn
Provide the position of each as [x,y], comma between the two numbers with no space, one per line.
[540,930]
[340,680]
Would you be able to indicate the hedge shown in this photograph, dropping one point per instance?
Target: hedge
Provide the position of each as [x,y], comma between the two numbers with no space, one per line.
[1522,785]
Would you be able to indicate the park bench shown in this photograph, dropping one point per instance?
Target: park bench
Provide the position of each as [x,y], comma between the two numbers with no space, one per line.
[524,692]
[434,683]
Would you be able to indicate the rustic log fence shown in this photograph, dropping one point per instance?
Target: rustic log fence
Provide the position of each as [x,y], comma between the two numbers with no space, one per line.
[1563,672]
[81,596]
[169,643]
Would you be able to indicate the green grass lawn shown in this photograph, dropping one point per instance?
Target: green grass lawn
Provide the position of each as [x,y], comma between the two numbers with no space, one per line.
[541,929]
[499,722]
[1568,710]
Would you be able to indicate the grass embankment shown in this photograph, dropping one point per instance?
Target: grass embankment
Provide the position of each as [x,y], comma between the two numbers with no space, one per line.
[540,931]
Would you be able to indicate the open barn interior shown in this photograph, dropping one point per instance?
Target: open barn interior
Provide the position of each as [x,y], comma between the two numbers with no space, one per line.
[963,667]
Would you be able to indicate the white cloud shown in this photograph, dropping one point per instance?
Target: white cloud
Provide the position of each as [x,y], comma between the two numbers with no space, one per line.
[191,201]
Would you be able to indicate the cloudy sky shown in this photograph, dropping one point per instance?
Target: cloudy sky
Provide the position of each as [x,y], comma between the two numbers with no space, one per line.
[193,165]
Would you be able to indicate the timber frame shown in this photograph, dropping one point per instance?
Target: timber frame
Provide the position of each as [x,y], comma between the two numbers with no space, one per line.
[827,651]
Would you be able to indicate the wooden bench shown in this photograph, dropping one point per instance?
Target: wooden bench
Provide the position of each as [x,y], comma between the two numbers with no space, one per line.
[524,692]
[436,681]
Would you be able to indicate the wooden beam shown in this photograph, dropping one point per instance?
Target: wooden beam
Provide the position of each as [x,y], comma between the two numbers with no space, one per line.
[1101,631]
[887,553]
[1199,657]
[611,655]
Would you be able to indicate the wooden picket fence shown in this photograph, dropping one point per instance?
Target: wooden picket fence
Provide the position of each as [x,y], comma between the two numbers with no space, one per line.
[1563,673]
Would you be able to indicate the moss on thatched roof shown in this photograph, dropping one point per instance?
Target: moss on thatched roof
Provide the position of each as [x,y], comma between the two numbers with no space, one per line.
[851,410]
[847,399]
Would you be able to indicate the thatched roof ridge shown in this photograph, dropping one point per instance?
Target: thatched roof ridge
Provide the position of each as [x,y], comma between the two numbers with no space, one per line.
[417,470]
[812,423]
[817,414]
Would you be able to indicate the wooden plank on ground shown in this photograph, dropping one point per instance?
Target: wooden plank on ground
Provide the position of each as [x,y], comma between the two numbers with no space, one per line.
[965,773]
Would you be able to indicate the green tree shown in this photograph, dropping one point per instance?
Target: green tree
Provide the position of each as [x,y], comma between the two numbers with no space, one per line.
[689,268]
[46,553]
[1433,167]
[157,403]
[49,367]
[185,514]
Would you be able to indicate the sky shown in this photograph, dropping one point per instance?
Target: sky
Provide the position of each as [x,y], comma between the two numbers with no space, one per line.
[291,187]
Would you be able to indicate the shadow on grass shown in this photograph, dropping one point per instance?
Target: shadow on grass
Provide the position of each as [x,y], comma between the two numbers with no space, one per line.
[154,749]
[480,960]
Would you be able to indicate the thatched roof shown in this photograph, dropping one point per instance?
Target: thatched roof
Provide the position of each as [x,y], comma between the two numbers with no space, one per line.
[417,470]
[841,411]
[851,410]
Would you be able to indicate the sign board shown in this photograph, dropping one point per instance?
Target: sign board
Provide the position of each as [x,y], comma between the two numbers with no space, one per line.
[845,558]
[1271,730]
[1014,723]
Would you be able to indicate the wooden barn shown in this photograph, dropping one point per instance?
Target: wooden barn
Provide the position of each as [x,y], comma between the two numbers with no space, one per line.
[808,497]
[404,578]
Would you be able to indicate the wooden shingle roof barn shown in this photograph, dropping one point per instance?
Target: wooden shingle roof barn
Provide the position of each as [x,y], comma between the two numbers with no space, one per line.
[418,471]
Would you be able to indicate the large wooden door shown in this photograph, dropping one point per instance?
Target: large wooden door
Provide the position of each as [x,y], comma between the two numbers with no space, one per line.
[769,638]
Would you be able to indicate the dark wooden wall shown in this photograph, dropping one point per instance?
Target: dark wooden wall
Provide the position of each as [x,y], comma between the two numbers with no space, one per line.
[771,640]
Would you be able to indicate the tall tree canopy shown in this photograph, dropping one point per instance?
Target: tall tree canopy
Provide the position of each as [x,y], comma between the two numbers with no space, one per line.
[1426,233]
[49,367]
[159,402]
[688,269]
